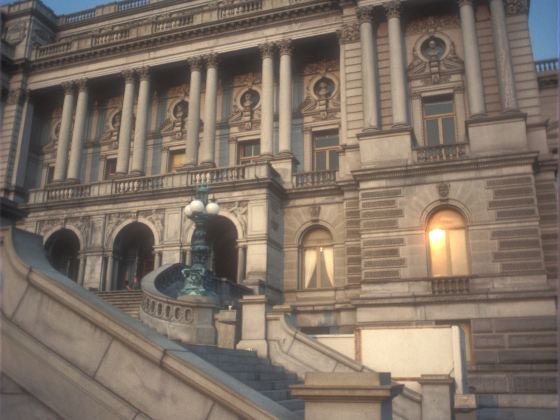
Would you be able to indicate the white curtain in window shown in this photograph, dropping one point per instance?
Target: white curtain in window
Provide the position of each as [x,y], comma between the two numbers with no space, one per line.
[310,264]
[328,255]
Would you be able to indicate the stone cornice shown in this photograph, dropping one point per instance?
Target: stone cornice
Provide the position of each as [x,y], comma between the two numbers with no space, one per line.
[179,35]
[433,168]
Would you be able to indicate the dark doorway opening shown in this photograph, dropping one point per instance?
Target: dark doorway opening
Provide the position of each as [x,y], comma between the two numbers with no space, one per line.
[133,255]
[63,248]
[222,239]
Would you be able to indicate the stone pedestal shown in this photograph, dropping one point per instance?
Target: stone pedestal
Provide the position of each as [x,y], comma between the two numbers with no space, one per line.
[227,328]
[386,147]
[253,325]
[357,396]
[507,132]
[285,166]
[436,397]
[189,319]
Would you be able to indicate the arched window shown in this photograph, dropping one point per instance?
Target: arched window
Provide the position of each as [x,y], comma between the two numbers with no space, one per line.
[448,244]
[317,257]
[63,248]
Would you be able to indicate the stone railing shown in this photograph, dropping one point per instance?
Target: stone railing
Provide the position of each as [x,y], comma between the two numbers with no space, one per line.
[108,37]
[546,65]
[441,153]
[137,185]
[313,179]
[450,285]
[230,10]
[192,15]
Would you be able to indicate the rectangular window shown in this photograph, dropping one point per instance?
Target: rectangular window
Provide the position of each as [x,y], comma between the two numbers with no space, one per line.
[110,167]
[50,174]
[325,151]
[177,159]
[439,121]
[248,151]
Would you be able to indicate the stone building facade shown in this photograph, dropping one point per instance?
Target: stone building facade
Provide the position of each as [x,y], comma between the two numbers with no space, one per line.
[376,162]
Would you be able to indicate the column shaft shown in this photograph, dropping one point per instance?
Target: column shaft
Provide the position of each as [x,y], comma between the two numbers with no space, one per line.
[473,72]
[210,102]
[369,70]
[267,100]
[193,118]
[64,134]
[506,81]
[285,106]
[141,126]
[78,134]
[126,123]
[398,76]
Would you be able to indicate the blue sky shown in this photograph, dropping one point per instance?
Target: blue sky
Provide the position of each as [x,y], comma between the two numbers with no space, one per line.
[543,22]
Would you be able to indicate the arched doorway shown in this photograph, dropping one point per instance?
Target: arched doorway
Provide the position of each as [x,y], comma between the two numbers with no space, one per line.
[63,248]
[133,253]
[222,239]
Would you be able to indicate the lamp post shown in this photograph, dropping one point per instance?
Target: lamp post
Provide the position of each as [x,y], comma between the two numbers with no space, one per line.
[198,278]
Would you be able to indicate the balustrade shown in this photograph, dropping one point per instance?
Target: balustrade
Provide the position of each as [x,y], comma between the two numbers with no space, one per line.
[109,37]
[450,285]
[78,16]
[68,192]
[213,176]
[133,185]
[236,9]
[172,23]
[311,179]
[546,65]
[441,153]
[131,4]
[53,49]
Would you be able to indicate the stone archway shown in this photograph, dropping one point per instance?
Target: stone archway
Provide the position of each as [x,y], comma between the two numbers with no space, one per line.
[222,239]
[63,248]
[133,254]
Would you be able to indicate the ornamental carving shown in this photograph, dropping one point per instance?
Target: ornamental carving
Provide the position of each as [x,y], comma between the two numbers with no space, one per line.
[443,189]
[393,9]
[321,67]
[267,50]
[432,24]
[516,7]
[321,101]
[434,59]
[314,212]
[239,209]
[45,226]
[349,33]
[365,14]
[15,33]
[156,217]
[113,220]
[246,113]
[83,224]
[112,127]
[175,124]
[285,47]
[163,310]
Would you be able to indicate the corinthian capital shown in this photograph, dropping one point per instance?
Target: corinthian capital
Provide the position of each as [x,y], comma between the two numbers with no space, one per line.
[82,84]
[285,46]
[128,75]
[211,60]
[68,87]
[195,63]
[144,73]
[393,9]
[365,14]
[267,50]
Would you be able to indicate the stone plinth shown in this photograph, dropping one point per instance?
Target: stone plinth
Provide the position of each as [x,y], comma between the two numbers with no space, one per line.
[507,132]
[386,147]
[436,397]
[353,395]
[227,328]
[188,318]
[253,326]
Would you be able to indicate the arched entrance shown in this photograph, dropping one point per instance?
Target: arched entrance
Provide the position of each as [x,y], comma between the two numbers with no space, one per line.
[222,239]
[63,248]
[133,254]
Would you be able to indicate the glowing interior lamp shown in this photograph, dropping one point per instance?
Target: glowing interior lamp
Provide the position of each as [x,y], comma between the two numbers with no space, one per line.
[437,235]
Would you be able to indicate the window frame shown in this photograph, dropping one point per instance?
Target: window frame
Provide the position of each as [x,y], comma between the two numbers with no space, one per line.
[108,175]
[241,145]
[439,118]
[467,256]
[325,149]
[170,155]
[317,247]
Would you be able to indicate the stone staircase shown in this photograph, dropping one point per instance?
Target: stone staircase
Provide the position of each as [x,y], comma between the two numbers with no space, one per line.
[259,374]
[128,301]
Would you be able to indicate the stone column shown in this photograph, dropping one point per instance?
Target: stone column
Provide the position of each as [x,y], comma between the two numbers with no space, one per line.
[285,98]
[126,123]
[23,137]
[396,56]
[267,99]
[78,134]
[109,273]
[240,263]
[307,150]
[506,81]
[210,102]
[473,72]
[193,118]
[141,126]
[369,69]
[64,135]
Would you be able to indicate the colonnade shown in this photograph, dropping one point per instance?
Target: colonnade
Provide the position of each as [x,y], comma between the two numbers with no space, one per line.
[74,137]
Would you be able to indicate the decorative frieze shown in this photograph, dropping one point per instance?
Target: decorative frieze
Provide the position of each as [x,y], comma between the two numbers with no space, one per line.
[433,24]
